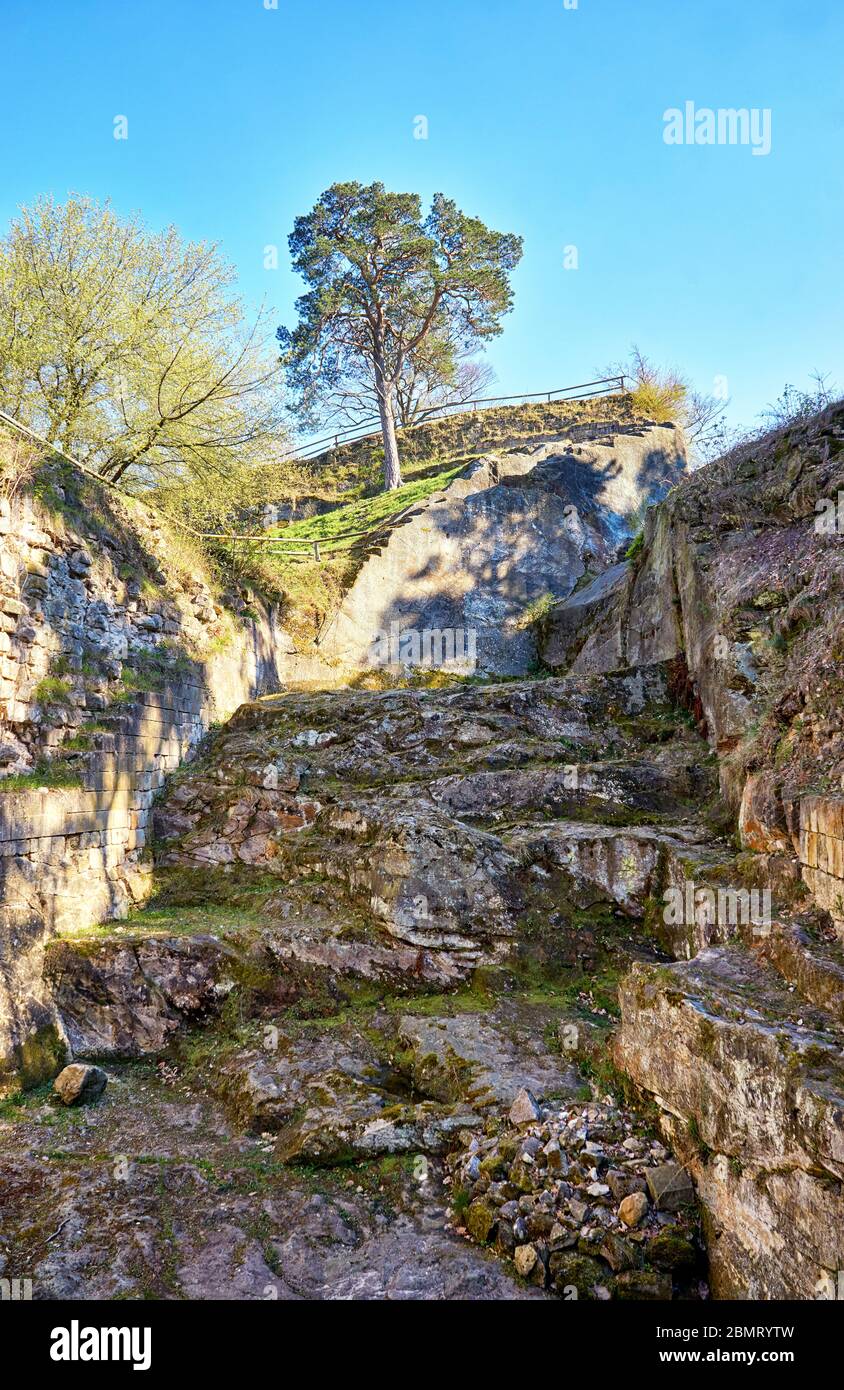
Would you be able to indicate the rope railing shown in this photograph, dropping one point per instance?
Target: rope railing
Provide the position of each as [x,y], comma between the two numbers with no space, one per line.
[295,547]
[304,547]
[370,427]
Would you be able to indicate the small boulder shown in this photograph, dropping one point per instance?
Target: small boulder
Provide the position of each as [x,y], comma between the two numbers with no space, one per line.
[525,1259]
[633,1210]
[79,1084]
[670,1187]
[525,1108]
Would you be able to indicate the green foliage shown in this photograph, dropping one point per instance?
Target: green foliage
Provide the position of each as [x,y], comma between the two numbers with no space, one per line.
[665,394]
[536,612]
[52,691]
[390,291]
[128,348]
[53,772]
[18,463]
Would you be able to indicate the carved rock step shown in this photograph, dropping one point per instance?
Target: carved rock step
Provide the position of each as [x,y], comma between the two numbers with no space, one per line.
[629,865]
[752,1080]
[128,991]
[358,738]
[119,997]
[614,789]
[486,1060]
[809,962]
[332,1099]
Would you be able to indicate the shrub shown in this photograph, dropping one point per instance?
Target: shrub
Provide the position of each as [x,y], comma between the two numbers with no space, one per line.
[52,691]
[19,462]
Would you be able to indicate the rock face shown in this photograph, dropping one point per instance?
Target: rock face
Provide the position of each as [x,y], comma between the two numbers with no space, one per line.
[125,999]
[752,1077]
[106,687]
[516,527]
[821,851]
[736,582]
[739,575]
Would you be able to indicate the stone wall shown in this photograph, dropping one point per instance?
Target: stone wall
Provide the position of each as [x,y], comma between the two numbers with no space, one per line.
[822,852]
[117,653]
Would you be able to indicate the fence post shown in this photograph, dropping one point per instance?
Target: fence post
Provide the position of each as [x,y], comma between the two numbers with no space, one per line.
[316,550]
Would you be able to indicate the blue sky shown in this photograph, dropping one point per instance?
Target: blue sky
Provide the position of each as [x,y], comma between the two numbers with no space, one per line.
[543,120]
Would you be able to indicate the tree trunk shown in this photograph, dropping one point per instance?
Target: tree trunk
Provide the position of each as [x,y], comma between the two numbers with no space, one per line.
[392,466]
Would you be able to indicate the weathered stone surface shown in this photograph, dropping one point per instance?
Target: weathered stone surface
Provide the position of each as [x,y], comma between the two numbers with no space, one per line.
[485,1058]
[567,624]
[113,679]
[633,1209]
[805,957]
[346,1119]
[525,1108]
[611,787]
[737,577]
[762,823]
[758,1076]
[670,1187]
[626,865]
[406,848]
[119,998]
[512,529]
[188,1208]
[822,853]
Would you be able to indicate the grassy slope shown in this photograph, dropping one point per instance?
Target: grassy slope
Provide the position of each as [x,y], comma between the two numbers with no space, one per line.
[367,513]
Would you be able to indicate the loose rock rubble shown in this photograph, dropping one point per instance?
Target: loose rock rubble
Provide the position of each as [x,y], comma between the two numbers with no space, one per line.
[582,1202]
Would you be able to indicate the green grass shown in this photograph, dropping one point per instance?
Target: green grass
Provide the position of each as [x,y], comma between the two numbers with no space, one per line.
[52,691]
[171,921]
[368,513]
[44,774]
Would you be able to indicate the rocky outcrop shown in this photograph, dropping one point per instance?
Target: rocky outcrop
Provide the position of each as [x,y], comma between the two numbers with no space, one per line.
[125,998]
[342,786]
[739,575]
[735,581]
[392,931]
[515,528]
